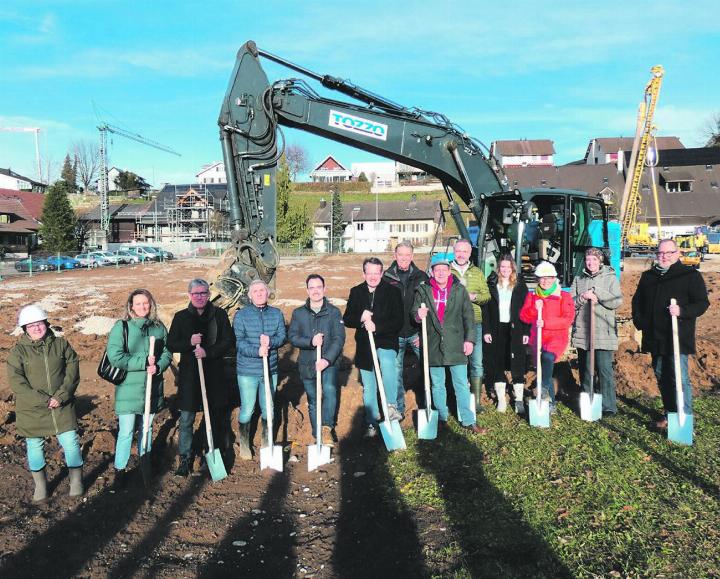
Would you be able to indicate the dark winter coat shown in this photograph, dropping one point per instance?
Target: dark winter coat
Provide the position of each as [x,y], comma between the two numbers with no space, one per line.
[652,299]
[249,323]
[491,322]
[130,394]
[305,323]
[414,279]
[387,308]
[606,286]
[37,371]
[218,340]
[446,341]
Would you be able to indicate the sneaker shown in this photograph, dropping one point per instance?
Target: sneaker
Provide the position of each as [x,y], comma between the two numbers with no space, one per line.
[184,467]
[475,429]
[553,408]
[371,432]
[326,437]
[394,414]
[661,424]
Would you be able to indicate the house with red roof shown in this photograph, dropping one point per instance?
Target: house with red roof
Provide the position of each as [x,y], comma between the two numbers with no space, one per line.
[20,213]
[330,171]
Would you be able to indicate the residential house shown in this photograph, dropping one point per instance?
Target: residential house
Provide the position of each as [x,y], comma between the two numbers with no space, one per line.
[19,220]
[330,171]
[212,173]
[523,153]
[601,151]
[380,174]
[372,227]
[14,181]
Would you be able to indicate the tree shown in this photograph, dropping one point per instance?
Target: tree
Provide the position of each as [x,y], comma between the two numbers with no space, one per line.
[283,188]
[87,161]
[69,174]
[129,181]
[58,219]
[713,132]
[296,228]
[362,178]
[297,159]
[337,226]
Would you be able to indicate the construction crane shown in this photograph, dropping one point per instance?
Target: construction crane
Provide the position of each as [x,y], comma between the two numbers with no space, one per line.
[644,135]
[35,130]
[104,129]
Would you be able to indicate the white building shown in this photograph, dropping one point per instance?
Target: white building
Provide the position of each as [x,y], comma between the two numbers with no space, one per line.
[212,173]
[330,171]
[11,180]
[602,151]
[523,153]
[380,174]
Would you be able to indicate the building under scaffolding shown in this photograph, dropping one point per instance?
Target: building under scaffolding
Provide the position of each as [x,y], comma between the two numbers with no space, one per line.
[196,215]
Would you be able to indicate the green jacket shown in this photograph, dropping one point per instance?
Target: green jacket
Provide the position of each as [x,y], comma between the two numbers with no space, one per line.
[445,342]
[38,370]
[130,394]
[475,283]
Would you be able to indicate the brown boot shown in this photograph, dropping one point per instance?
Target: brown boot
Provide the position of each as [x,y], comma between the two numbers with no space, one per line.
[326,436]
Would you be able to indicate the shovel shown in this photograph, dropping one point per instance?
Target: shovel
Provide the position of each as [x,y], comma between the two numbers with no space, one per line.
[213,458]
[390,429]
[318,453]
[270,455]
[680,425]
[539,408]
[145,460]
[428,418]
[591,403]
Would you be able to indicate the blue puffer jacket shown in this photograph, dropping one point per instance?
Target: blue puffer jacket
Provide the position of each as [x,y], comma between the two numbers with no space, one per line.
[249,323]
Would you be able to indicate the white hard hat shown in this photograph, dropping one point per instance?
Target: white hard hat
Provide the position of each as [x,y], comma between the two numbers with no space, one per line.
[30,315]
[545,269]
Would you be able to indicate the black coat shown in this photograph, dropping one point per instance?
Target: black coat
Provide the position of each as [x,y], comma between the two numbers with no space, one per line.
[305,323]
[218,340]
[387,308]
[650,307]
[414,279]
[491,324]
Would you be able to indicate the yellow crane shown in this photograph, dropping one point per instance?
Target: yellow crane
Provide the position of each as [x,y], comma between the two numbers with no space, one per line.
[644,136]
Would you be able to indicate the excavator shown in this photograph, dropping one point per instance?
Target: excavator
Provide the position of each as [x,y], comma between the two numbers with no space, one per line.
[557,225]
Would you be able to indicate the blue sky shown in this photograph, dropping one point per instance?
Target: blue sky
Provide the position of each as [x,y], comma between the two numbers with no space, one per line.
[566,71]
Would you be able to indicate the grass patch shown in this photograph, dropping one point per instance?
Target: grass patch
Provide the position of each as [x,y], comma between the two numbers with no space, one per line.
[603,499]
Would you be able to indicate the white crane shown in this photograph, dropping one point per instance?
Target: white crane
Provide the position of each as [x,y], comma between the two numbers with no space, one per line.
[35,130]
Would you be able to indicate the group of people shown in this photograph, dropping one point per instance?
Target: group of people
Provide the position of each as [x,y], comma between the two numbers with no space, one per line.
[467,318]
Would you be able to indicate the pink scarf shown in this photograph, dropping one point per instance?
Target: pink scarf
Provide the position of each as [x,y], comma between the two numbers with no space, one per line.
[440,297]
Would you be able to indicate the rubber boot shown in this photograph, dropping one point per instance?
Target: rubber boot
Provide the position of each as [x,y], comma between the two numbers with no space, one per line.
[40,480]
[244,442]
[519,391]
[476,385]
[500,391]
[76,484]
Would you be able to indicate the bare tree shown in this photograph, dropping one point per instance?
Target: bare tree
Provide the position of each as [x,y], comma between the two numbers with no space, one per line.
[297,159]
[87,159]
[712,132]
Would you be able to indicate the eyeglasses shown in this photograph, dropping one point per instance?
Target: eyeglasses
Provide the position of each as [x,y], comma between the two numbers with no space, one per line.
[665,253]
[36,325]
[199,294]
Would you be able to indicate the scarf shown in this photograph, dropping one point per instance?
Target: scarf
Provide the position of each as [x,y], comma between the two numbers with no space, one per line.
[440,297]
[546,293]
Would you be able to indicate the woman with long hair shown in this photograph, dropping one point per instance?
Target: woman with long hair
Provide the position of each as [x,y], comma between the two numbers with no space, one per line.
[133,355]
[505,335]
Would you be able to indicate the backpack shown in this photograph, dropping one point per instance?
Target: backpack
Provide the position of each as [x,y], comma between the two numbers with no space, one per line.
[106,370]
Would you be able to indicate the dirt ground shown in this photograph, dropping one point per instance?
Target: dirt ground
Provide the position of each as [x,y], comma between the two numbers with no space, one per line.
[286,524]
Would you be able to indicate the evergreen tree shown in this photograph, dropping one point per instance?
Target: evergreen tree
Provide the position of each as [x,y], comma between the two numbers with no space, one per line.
[58,219]
[336,218]
[69,174]
[283,188]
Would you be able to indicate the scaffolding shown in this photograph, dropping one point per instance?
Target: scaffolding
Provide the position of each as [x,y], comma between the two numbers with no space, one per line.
[195,215]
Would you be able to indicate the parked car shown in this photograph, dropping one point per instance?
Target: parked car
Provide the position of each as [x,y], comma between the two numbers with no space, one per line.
[36,263]
[107,257]
[163,253]
[89,260]
[62,262]
[127,256]
[143,252]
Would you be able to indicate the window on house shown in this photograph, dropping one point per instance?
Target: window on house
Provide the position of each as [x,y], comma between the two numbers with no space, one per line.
[679,186]
[360,226]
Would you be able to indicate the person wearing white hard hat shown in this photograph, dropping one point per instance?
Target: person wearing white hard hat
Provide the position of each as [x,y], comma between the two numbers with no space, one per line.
[44,372]
[558,313]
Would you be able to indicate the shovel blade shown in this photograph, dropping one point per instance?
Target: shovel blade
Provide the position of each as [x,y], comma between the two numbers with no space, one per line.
[590,407]
[318,456]
[540,413]
[392,435]
[427,427]
[271,457]
[215,464]
[680,433]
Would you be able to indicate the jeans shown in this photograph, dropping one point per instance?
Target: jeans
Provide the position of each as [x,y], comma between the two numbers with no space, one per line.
[185,428]
[547,362]
[604,371]
[664,367]
[458,373]
[127,424]
[404,344]
[71,447]
[249,387]
[329,398]
[388,369]
[475,360]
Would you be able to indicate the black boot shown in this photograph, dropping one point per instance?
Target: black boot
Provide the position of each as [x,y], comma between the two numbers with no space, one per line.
[184,466]
[244,442]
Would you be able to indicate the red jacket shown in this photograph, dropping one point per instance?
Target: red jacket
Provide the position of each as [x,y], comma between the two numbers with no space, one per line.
[558,314]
